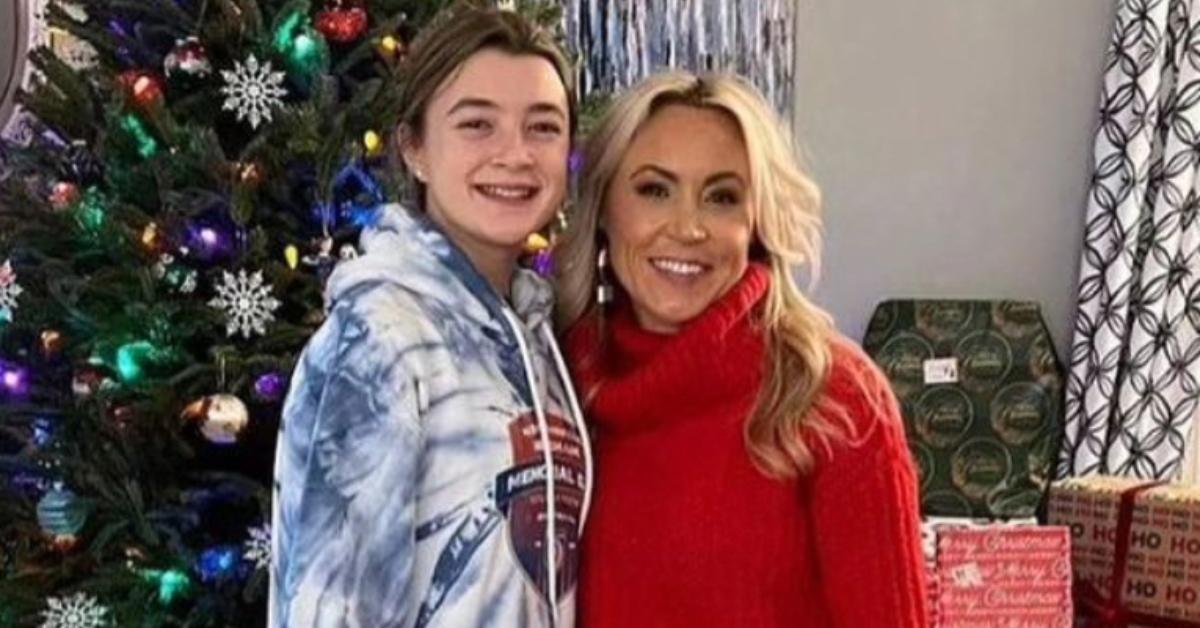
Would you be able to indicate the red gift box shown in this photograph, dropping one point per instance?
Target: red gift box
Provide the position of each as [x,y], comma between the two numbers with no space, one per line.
[1001,576]
[1136,550]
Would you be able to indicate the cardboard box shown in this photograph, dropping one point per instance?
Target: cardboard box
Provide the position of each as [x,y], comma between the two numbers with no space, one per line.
[993,576]
[1161,578]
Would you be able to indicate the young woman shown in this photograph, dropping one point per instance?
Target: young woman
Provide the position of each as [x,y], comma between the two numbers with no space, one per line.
[752,468]
[432,467]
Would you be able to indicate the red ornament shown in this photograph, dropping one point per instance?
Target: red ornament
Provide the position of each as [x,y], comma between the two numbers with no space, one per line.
[189,58]
[63,195]
[63,543]
[122,416]
[342,21]
[87,381]
[143,87]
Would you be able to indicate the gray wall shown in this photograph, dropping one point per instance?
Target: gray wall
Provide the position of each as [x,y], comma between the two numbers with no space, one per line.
[952,139]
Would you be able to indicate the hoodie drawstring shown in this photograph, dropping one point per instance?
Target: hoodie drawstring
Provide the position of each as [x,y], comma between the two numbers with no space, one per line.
[547,460]
[564,376]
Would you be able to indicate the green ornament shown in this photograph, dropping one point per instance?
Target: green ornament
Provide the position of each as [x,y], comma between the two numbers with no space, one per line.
[303,48]
[91,212]
[147,146]
[61,513]
[172,584]
[132,358]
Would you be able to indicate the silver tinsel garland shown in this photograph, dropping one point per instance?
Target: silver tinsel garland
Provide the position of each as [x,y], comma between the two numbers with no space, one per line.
[622,41]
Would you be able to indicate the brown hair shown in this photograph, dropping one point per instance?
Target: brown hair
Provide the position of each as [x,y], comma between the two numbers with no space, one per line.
[798,334]
[454,36]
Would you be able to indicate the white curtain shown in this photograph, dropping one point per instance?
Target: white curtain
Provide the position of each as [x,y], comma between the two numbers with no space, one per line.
[1132,389]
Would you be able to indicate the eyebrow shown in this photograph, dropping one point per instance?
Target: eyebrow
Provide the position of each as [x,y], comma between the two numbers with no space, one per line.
[483,103]
[674,178]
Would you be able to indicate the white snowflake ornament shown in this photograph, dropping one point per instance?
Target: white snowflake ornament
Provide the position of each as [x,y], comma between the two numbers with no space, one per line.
[253,91]
[248,303]
[258,546]
[9,291]
[75,611]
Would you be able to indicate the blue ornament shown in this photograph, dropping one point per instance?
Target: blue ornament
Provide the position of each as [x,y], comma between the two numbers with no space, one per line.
[61,513]
[218,563]
[357,195]
[43,431]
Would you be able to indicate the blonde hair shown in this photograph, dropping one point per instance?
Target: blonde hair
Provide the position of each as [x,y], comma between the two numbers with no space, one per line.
[787,230]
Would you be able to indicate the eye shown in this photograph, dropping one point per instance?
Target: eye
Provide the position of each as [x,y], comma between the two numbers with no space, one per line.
[550,129]
[652,189]
[474,124]
[724,197]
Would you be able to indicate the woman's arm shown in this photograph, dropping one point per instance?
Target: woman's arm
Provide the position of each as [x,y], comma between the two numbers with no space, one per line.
[866,515]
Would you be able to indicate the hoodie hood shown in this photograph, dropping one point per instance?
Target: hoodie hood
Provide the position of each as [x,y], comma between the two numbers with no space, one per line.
[405,248]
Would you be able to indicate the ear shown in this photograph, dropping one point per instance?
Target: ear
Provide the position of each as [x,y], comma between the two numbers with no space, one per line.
[411,150]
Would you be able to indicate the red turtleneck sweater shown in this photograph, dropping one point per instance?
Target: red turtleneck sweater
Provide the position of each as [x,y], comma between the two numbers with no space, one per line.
[685,531]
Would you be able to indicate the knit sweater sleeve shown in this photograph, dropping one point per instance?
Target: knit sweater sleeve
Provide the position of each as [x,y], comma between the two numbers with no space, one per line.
[865,508]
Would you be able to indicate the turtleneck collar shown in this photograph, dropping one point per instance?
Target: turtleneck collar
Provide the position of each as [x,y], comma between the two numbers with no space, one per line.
[644,378]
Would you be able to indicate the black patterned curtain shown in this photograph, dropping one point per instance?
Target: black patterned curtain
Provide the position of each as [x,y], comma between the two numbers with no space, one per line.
[1132,390]
[621,41]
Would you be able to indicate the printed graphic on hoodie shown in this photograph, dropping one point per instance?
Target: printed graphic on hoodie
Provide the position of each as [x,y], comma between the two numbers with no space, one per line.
[521,495]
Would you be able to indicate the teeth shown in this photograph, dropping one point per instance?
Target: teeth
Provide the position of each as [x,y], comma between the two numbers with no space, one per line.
[677,267]
[508,192]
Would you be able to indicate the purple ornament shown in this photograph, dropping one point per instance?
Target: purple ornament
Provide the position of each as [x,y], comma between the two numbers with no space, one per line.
[269,387]
[543,262]
[14,381]
[575,161]
[212,237]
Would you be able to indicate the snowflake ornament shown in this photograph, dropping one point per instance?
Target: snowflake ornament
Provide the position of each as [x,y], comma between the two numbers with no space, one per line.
[9,291]
[248,303]
[253,91]
[75,611]
[258,546]
[189,283]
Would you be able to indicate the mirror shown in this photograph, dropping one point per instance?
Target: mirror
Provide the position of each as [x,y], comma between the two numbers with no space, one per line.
[15,29]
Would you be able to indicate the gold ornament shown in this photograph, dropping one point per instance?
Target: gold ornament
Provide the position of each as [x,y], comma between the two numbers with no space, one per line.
[373,143]
[150,237]
[52,343]
[292,255]
[536,242]
[222,417]
[391,49]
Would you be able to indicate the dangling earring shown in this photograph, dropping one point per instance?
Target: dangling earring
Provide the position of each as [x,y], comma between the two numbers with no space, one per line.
[604,290]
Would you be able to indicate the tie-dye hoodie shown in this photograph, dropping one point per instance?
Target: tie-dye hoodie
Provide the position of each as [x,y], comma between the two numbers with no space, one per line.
[411,480]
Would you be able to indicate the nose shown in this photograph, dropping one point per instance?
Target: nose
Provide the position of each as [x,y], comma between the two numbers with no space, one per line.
[514,151]
[687,225]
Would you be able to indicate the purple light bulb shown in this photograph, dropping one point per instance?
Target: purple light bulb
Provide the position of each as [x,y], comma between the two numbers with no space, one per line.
[209,237]
[14,380]
[575,161]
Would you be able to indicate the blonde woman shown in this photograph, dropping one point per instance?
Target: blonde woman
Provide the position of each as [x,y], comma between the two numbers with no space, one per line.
[751,466]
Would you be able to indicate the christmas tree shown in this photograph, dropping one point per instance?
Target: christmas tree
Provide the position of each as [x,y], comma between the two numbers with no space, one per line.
[164,235]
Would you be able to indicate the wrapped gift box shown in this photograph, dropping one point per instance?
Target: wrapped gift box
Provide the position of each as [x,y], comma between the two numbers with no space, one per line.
[979,387]
[998,575]
[1154,561]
